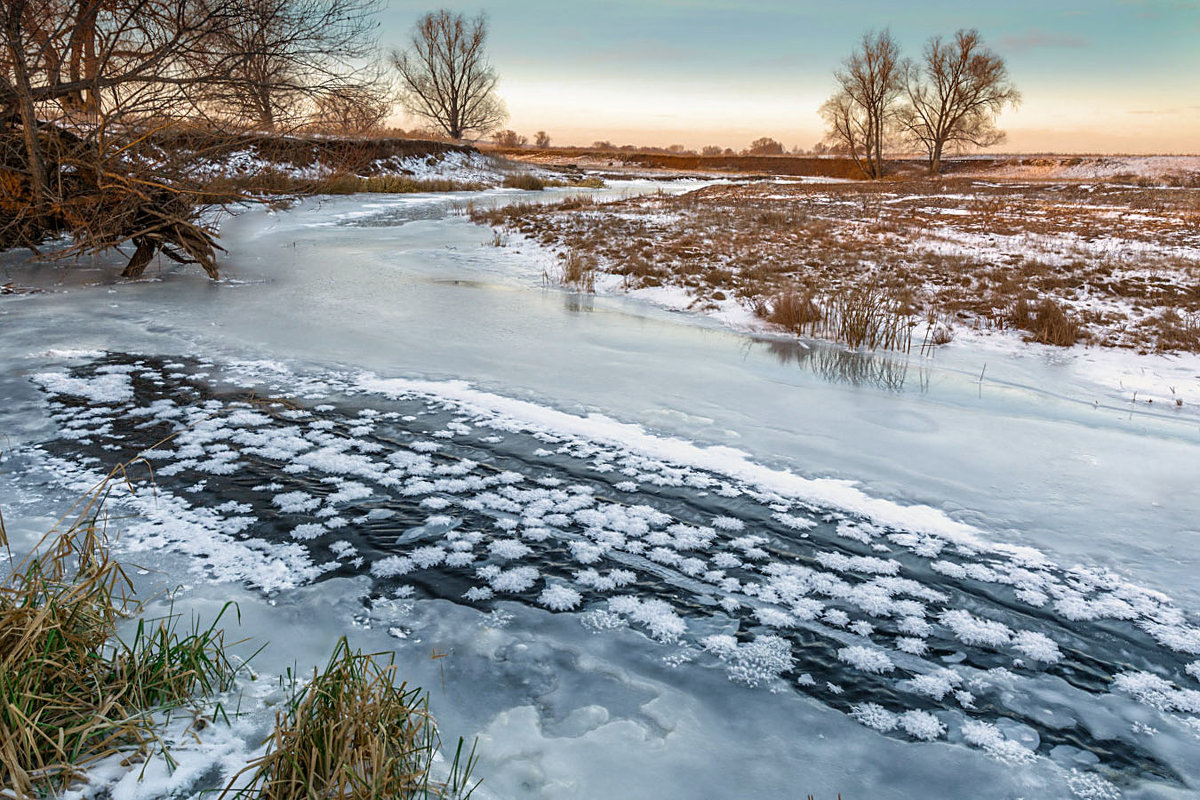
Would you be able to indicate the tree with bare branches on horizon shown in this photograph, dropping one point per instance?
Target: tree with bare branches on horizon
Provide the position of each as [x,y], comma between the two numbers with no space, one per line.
[445,76]
[862,112]
[954,96]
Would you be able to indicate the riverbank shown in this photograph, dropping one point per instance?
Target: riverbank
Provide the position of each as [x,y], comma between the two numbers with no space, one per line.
[1106,264]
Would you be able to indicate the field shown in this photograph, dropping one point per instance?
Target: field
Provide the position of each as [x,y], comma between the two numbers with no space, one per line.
[1114,262]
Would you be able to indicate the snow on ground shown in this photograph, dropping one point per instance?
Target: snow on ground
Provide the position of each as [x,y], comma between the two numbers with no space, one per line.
[1099,167]
[473,167]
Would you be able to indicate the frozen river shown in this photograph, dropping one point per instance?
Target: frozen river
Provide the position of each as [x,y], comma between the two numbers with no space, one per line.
[662,558]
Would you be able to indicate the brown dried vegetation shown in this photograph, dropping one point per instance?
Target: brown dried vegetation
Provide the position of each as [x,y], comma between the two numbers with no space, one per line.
[1116,263]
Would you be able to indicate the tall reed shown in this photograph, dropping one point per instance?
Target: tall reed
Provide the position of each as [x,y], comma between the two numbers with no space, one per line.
[354,733]
[72,693]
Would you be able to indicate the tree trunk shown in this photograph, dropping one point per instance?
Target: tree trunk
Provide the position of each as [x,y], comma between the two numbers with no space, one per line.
[140,259]
[29,122]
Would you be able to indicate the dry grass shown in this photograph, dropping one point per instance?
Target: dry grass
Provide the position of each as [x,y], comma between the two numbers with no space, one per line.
[533,183]
[277,182]
[530,183]
[70,692]
[578,272]
[1113,258]
[73,693]
[1046,322]
[352,732]
[1175,331]
[793,310]
[859,317]
[868,317]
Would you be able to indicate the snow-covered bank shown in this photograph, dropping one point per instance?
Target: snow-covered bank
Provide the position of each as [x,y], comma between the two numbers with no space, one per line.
[1061,263]
[318,158]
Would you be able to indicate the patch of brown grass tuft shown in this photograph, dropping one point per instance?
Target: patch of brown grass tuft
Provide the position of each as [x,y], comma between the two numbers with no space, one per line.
[793,310]
[354,733]
[1047,322]
[71,693]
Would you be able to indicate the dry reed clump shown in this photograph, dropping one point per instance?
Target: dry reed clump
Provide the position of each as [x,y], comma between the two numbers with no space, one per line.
[277,182]
[352,733]
[71,693]
[862,318]
[391,184]
[525,181]
[868,318]
[1046,322]
[578,272]
[533,183]
[793,310]
[1174,331]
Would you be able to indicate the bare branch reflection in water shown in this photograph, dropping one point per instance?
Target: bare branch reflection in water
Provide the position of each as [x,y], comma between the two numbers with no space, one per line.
[838,365]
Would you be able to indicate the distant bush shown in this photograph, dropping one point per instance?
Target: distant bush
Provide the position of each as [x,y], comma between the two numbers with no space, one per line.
[766,146]
[509,139]
[541,139]
[711,150]
[530,183]
[377,184]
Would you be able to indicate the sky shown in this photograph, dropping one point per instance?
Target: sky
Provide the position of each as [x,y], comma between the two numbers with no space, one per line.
[1096,76]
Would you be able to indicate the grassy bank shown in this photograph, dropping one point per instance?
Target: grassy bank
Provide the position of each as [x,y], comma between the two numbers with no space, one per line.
[73,693]
[1061,263]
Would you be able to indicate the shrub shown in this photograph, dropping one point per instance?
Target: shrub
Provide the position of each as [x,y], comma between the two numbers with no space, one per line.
[353,733]
[70,692]
[1046,322]
[793,310]
[526,181]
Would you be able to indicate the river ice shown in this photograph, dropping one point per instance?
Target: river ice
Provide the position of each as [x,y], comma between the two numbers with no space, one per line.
[632,552]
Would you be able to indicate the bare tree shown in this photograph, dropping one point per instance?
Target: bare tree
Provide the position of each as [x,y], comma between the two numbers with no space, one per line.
[445,76]
[85,86]
[541,139]
[350,111]
[954,96]
[293,55]
[861,113]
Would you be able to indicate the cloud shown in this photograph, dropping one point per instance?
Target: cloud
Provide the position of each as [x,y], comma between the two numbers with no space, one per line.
[1158,9]
[1038,39]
